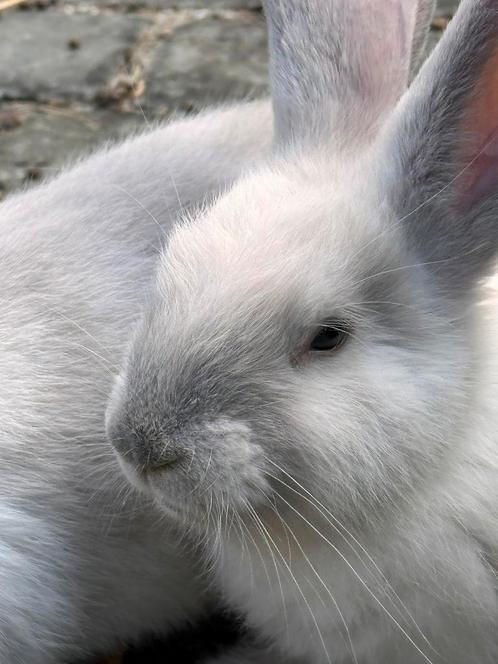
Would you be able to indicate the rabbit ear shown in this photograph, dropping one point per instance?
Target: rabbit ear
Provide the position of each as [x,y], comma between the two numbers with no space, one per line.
[444,138]
[425,12]
[336,66]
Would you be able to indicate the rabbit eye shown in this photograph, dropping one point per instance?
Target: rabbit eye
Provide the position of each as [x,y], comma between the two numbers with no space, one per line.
[329,337]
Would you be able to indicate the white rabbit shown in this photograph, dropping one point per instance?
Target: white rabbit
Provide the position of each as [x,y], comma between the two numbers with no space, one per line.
[313,387]
[84,564]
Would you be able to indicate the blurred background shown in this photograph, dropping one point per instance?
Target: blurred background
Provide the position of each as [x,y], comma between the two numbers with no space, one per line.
[74,74]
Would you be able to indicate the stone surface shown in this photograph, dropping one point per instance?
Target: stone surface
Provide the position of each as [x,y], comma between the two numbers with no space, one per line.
[446,7]
[136,5]
[50,54]
[210,60]
[89,54]
[444,11]
[35,142]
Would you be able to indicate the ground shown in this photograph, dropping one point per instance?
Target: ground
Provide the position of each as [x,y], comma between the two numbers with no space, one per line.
[74,74]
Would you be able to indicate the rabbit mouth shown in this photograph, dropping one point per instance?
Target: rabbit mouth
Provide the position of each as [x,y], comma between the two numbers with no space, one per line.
[216,465]
[153,483]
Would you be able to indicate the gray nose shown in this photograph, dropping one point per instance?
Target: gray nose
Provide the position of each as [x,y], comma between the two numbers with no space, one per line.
[161,455]
[144,446]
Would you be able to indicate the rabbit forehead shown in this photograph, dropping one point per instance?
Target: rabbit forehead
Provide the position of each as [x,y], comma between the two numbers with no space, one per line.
[279,233]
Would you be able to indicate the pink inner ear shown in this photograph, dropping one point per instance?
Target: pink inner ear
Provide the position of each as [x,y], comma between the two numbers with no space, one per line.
[479,157]
[381,37]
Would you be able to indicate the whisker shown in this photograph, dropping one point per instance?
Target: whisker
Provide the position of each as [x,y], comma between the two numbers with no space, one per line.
[238,523]
[359,578]
[144,208]
[323,584]
[181,207]
[413,266]
[355,540]
[258,551]
[107,365]
[268,539]
[315,622]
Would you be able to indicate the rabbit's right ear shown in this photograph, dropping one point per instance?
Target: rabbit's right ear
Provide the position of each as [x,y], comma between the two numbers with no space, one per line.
[338,66]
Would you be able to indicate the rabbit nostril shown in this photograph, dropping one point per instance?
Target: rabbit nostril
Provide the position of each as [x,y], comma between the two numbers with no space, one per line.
[162,460]
[165,464]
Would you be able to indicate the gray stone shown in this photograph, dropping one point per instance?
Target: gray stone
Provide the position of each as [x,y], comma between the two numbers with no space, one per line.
[446,7]
[35,142]
[53,55]
[432,40]
[211,60]
[173,4]
[205,57]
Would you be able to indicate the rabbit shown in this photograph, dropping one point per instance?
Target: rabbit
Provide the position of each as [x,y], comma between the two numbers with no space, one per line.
[85,563]
[311,389]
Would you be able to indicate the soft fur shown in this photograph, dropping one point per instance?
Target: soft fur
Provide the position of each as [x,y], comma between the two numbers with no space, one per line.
[85,564]
[347,500]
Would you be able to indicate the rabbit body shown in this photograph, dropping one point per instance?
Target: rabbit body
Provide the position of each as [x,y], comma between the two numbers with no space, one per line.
[85,564]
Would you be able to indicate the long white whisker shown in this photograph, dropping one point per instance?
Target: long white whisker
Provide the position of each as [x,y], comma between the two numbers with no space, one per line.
[357,576]
[141,205]
[268,539]
[238,522]
[351,535]
[173,183]
[305,600]
[253,540]
[287,528]
[77,325]
[108,366]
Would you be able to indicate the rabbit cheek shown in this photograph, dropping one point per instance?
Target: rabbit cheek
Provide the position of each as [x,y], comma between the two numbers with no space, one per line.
[227,464]
[239,460]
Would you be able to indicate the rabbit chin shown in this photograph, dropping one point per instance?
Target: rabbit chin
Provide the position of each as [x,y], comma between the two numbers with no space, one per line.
[221,471]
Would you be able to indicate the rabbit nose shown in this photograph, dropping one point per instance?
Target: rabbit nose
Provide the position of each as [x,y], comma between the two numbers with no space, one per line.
[155,454]
[167,457]
[143,448]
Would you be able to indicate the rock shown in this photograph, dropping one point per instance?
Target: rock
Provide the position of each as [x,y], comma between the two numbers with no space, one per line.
[45,139]
[135,5]
[9,119]
[446,8]
[38,65]
[210,60]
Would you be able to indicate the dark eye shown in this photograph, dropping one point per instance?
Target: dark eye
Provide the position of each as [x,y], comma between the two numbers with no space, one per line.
[329,337]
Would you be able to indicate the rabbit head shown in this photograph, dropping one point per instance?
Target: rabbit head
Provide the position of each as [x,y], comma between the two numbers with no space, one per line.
[313,323]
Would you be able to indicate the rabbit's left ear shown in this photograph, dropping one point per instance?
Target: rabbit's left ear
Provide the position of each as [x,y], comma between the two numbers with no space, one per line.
[441,149]
[337,66]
